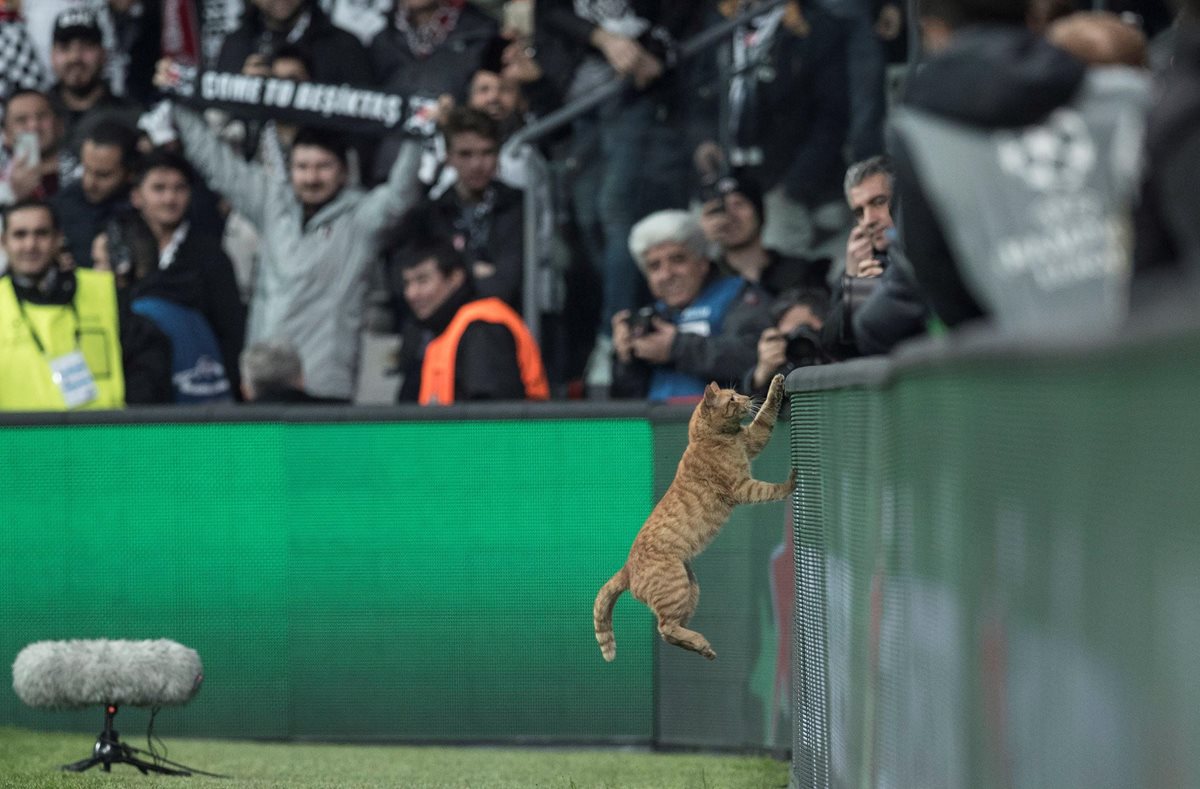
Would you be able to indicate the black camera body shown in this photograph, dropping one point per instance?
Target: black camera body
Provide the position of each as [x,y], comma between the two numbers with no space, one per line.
[641,322]
[804,347]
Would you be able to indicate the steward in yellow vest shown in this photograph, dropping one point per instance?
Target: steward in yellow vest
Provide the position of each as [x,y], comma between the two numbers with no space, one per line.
[59,345]
[60,331]
[457,347]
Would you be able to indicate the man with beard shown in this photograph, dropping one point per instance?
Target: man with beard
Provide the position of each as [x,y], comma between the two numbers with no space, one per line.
[102,193]
[319,234]
[81,96]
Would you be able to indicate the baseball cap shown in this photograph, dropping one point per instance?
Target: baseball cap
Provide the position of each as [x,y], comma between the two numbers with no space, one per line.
[77,23]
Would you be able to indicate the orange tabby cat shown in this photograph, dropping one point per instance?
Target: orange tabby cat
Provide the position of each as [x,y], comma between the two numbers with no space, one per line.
[713,477]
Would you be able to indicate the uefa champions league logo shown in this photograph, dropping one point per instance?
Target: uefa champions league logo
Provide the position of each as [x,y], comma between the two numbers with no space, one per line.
[1055,156]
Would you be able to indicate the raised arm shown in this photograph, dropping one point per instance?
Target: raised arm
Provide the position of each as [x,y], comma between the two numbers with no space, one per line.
[246,186]
[384,205]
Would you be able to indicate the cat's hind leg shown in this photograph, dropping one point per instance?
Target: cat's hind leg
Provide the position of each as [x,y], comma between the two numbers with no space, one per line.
[680,636]
[673,597]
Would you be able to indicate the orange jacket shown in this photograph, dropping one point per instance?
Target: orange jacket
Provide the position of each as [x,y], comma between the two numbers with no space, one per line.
[437,371]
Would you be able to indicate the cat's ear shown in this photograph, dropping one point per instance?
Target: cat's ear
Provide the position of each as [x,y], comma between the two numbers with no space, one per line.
[710,394]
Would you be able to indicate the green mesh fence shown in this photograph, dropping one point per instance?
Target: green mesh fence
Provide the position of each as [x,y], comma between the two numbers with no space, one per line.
[998,568]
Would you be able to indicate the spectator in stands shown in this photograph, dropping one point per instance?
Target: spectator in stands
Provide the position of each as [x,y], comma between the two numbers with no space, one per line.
[132,34]
[732,216]
[783,63]
[319,238]
[86,206]
[457,346]
[429,51]
[510,83]
[272,373]
[180,279]
[1040,248]
[869,22]
[641,166]
[480,215]
[64,343]
[431,47]
[793,340]
[81,96]
[32,162]
[876,304]
[702,327]
[267,25]
[499,90]
[1168,235]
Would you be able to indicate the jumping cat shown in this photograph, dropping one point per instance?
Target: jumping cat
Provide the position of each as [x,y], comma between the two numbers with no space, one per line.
[713,477]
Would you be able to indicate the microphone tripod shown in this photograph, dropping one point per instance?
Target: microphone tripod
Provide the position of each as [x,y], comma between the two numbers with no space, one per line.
[109,750]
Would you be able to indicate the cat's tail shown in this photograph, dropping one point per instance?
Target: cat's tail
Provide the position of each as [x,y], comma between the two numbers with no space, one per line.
[606,598]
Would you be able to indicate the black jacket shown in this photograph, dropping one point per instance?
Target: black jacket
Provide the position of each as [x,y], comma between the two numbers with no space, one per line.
[1168,235]
[201,277]
[992,77]
[448,69]
[485,367]
[337,56]
[503,246]
[800,78]
[893,311]
[81,221]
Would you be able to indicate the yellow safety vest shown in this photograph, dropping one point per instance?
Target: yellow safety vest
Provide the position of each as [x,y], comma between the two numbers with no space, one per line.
[25,376]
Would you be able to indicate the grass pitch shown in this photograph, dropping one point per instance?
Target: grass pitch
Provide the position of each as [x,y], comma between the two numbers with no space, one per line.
[30,760]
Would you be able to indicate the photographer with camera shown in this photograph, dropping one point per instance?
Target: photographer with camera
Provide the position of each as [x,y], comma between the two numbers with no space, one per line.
[794,341]
[702,327]
[876,303]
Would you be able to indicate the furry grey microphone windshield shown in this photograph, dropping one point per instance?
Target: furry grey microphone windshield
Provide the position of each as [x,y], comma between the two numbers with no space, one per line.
[85,673]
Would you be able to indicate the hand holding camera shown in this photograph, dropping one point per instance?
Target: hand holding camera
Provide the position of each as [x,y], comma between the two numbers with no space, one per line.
[642,335]
[860,255]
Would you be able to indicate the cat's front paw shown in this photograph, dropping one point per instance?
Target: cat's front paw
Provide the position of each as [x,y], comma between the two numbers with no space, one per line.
[775,393]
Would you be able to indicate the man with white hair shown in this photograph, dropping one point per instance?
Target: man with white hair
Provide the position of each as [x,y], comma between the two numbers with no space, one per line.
[702,327]
[271,372]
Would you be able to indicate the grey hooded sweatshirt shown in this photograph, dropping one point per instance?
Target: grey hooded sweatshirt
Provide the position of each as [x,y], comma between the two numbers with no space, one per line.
[312,276]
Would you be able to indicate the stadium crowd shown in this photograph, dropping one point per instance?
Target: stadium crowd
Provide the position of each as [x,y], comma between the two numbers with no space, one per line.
[757,194]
